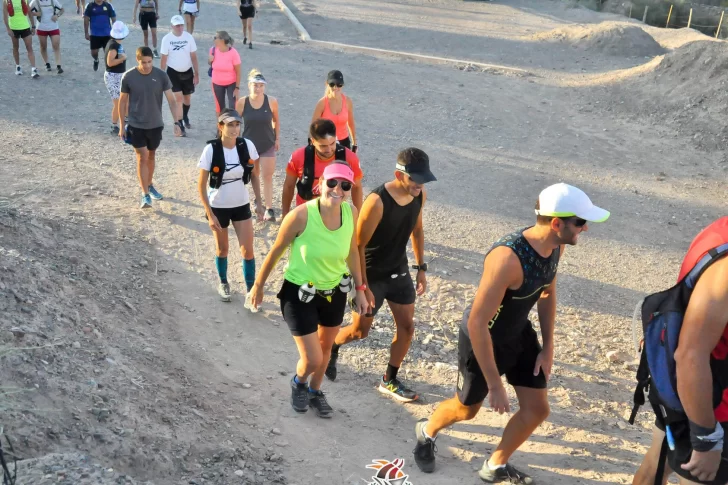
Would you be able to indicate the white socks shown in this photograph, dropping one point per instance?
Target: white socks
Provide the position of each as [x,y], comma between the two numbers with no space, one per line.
[494,467]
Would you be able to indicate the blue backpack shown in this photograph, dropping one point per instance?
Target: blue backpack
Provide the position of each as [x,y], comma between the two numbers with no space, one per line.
[662,318]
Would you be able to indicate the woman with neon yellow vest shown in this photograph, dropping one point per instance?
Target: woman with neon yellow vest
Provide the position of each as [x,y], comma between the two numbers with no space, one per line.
[321,237]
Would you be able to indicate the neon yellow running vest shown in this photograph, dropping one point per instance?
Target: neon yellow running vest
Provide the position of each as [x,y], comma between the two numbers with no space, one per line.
[319,254]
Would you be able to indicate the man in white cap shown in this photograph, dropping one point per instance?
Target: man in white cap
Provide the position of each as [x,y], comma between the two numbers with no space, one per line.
[179,58]
[497,338]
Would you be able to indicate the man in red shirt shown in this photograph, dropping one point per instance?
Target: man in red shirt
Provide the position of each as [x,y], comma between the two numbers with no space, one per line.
[322,134]
[702,375]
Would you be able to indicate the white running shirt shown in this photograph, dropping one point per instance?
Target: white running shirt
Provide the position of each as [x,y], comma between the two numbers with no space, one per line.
[232,194]
[190,6]
[46,8]
[178,50]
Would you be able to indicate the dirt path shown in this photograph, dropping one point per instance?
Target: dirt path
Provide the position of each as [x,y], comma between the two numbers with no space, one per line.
[222,374]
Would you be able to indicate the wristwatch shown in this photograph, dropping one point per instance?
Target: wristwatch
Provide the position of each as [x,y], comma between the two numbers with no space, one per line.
[420,267]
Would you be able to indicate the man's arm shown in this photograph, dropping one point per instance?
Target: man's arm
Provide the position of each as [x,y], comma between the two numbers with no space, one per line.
[501,270]
[357,194]
[174,108]
[369,218]
[180,6]
[86,22]
[195,68]
[418,247]
[289,188]
[163,62]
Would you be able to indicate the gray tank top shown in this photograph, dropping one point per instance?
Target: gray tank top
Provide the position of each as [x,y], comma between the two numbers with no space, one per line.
[259,126]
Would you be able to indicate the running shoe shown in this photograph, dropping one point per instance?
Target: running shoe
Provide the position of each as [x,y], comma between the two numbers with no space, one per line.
[397,390]
[245,40]
[425,450]
[250,46]
[155,54]
[59,71]
[155,195]
[299,396]
[115,130]
[187,123]
[18,71]
[269,216]
[96,64]
[48,67]
[317,400]
[507,474]
[34,73]
[331,368]
[224,291]
[249,303]
[146,202]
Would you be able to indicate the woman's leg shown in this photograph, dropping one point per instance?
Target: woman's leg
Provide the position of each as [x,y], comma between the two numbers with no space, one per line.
[43,40]
[267,168]
[244,232]
[192,23]
[249,24]
[154,38]
[218,92]
[326,336]
[189,23]
[146,36]
[115,111]
[310,357]
[221,253]
[230,91]
[56,42]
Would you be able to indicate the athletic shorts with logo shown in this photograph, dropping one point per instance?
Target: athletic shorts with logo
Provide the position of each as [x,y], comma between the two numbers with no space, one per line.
[113,83]
[234,214]
[150,138]
[396,287]
[515,358]
[305,318]
[147,20]
[182,81]
[21,34]
[683,448]
[97,42]
[247,12]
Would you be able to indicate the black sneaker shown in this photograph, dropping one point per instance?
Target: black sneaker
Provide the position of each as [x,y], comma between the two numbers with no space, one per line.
[48,67]
[397,390]
[317,400]
[250,46]
[59,70]
[187,123]
[425,449]
[508,474]
[299,396]
[331,368]
[245,40]
[96,64]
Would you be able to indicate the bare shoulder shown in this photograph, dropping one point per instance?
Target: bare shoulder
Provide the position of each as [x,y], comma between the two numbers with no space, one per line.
[503,264]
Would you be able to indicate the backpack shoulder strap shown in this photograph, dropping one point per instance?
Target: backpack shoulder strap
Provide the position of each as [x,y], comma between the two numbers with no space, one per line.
[340,153]
[713,255]
[309,163]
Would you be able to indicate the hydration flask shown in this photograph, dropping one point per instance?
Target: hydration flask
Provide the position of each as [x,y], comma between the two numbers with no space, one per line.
[306,292]
[346,284]
[127,135]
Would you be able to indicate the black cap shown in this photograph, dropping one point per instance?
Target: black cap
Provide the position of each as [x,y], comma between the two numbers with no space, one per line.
[418,170]
[228,115]
[335,77]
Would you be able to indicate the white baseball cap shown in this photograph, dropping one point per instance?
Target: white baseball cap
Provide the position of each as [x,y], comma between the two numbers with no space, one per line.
[178,20]
[563,200]
[119,30]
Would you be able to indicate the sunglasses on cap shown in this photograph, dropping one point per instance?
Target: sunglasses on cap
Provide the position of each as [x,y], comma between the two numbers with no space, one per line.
[336,85]
[345,184]
[578,221]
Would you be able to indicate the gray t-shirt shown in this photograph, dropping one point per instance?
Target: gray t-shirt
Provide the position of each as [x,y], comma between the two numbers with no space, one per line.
[146,92]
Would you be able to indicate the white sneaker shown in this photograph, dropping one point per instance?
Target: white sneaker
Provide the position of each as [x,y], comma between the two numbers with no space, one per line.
[34,73]
[249,303]
[18,71]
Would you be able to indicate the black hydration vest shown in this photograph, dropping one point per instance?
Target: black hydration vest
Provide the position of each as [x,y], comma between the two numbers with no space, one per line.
[304,186]
[218,166]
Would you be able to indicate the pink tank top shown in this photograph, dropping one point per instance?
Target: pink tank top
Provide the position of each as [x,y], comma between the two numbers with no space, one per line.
[341,120]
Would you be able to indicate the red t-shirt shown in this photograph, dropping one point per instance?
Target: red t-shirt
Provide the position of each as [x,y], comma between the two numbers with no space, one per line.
[711,237]
[295,168]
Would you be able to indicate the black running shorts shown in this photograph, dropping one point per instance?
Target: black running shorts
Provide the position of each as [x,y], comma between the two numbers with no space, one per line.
[397,287]
[149,139]
[182,81]
[21,34]
[683,448]
[147,20]
[305,318]
[515,358]
[235,214]
[247,12]
[99,42]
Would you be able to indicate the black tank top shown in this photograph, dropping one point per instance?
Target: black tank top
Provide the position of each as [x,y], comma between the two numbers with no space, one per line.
[119,68]
[511,318]
[386,251]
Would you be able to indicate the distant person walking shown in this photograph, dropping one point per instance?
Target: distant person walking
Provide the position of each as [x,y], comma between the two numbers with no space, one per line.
[338,108]
[247,13]
[115,69]
[225,63]
[190,9]
[20,24]
[48,12]
[97,20]
[179,58]
[142,90]
[148,16]
[263,128]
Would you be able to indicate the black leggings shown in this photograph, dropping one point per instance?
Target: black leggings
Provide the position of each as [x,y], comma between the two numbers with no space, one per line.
[221,93]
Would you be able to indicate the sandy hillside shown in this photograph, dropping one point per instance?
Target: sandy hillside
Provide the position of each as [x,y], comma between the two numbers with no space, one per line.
[134,372]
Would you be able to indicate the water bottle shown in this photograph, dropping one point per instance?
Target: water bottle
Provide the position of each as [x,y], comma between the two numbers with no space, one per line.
[306,292]
[346,284]
[127,135]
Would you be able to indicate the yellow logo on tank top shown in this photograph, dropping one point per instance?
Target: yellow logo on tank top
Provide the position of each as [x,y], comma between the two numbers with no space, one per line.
[492,322]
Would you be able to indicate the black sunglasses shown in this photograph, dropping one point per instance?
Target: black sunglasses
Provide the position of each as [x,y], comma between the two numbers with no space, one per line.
[345,184]
[338,85]
[578,221]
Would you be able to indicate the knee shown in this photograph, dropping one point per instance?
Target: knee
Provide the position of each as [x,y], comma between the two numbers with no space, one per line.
[467,413]
[222,249]
[537,412]
[406,330]
[312,362]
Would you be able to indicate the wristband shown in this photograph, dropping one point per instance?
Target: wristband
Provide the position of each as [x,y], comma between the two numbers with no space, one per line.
[706,439]
[361,288]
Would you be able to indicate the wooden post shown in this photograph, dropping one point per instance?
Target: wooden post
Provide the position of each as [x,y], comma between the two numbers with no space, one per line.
[717,32]
[644,16]
[669,14]
[690,17]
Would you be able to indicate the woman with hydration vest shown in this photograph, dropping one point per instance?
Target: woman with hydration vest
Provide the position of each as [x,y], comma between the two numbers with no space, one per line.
[338,108]
[226,165]
[323,250]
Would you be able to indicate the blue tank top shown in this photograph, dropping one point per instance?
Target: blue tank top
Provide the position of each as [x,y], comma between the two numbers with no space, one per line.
[511,318]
